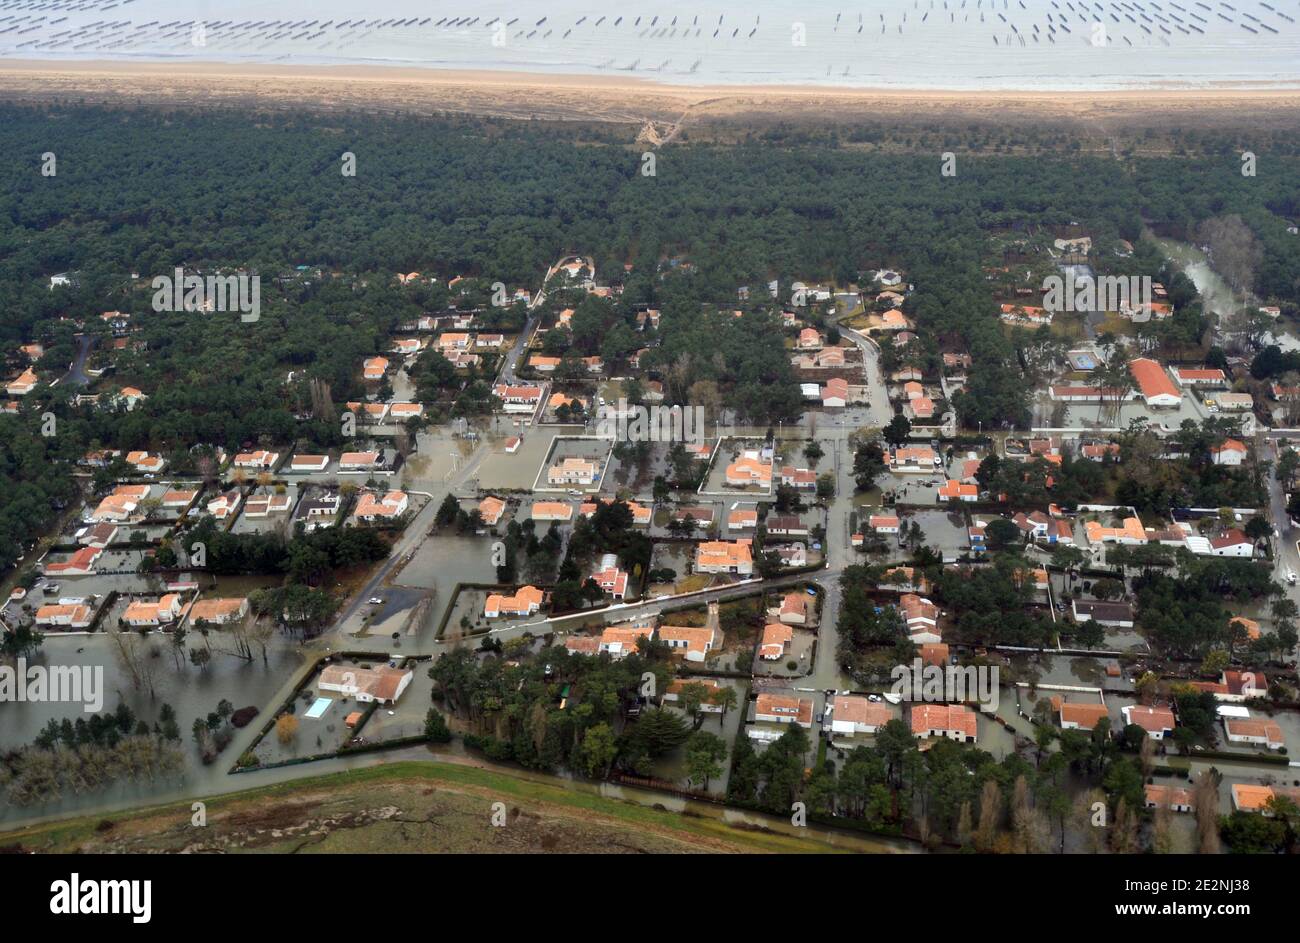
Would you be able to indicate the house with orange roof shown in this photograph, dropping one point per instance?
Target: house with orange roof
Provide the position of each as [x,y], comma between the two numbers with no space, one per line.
[1254,731]
[935,653]
[794,609]
[22,384]
[1176,798]
[309,463]
[711,704]
[374,368]
[619,641]
[81,563]
[1199,376]
[582,644]
[691,642]
[551,511]
[525,601]
[742,519]
[611,580]
[224,505]
[261,460]
[491,509]
[561,399]
[954,721]
[143,613]
[544,363]
[1158,722]
[954,490]
[1153,383]
[809,339]
[776,636]
[1229,452]
[179,498]
[724,556]
[884,523]
[264,505]
[401,412]
[573,471]
[219,611]
[146,462]
[518,399]
[69,616]
[1079,716]
[408,345]
[783,709]
[359,461]
[386,507]
[802,479]
[1251,798]
[851,714]
[382,685]
[121,504]
[1130,531]
[915,458]
[749,470]
[640,513]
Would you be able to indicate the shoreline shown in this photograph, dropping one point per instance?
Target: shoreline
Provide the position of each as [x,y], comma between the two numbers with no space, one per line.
[602,98]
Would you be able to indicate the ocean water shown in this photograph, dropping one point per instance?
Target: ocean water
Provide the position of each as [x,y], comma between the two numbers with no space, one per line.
[924,44]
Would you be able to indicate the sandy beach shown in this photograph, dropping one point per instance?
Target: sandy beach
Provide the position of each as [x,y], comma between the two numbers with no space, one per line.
[521,95]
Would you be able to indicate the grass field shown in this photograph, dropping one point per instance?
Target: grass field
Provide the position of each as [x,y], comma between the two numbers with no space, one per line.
[410,807]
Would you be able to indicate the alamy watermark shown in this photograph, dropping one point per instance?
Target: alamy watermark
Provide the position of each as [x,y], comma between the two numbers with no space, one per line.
[181,292]
[951,684]
[627,423]
[61,684]
[1128,294]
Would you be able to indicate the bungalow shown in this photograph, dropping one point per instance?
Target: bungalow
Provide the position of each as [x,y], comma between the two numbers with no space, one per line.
[784,709]
[1176,798]
[1250,798]
[1129,532]
[360,461]
[724,556]
[309,463]
[146,463]
[794,609]
[749,470]
[1233,543]
[401,412]
[802,479]
[835,394]
[921,408]
[261,459]
[69,616]
[953,490]
[491,509]
[692,642]
[374,368]
[776,636]
[1254,731]
[582,644]
[224,505]
[490,341]
[1079,716]
[121,504]
[712,700]
[1099,451]
[143,614]
[1229,452]
[544,363]
[742,519]
[1198,376]
[525,601]
[100,535]
[573,471]
[1235,402]
[518,399]
[382,685]
[408,345]
[219,611]
[894,320]
[1158,722]
[884,523]
[81,563]
[22,384]
[809,339]
[453,341]
[851,714]
[374,507]
[1244,684]
[919,458]
[264,505]
[551,511]
[786,525]
[624,639]
[1114,614]
[954,721]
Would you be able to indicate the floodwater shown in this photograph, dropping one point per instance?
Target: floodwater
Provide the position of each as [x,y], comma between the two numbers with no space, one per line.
[962,44]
